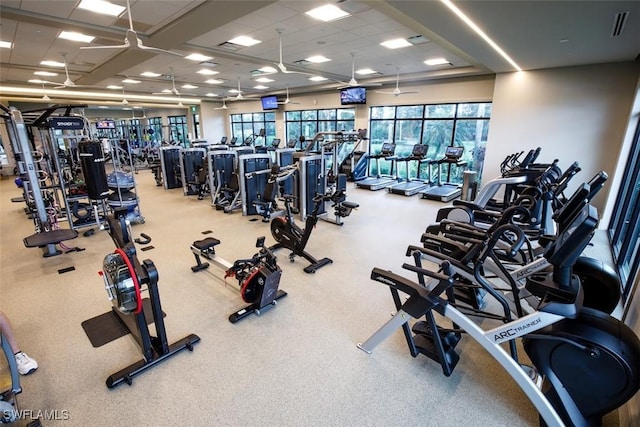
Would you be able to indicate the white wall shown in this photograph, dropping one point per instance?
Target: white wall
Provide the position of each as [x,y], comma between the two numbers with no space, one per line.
[574,114]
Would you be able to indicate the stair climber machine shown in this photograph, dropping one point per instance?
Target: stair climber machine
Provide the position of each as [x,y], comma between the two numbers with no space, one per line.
[411,186]
[124,277]
[380,181]
[258,276]
[585,362]
[445,191]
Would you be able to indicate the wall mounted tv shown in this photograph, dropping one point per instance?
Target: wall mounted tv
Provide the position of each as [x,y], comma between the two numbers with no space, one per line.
[269,102]
[105,124]
[353,95]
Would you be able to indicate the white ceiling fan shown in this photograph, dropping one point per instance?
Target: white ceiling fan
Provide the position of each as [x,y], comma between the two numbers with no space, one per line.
[287,100]
[353,82]
[132,41]
[280,65]
[224,105]
[68,82]
[45,97]
[124,98]
[173,90]
[397,91]
[239,96]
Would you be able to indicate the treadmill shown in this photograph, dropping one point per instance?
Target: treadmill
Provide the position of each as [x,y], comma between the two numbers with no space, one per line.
[412,186]
[379,182]
[446,191]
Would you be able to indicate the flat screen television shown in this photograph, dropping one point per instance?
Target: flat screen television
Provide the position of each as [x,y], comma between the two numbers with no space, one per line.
[105,124]
[353,95]
[269,102]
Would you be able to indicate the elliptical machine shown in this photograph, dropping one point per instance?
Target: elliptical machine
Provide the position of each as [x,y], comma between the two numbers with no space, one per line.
[587,361]
[288,235]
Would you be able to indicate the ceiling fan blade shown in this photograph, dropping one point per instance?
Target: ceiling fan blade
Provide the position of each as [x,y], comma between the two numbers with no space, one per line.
[132,41]
[119,46]
[155,49]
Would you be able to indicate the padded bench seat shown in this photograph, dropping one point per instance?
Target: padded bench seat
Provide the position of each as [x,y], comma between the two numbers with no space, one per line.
[49,237]
[204,244]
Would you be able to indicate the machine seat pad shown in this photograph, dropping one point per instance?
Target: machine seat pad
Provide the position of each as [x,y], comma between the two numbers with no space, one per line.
[205,244]
[48,237]
[350,205]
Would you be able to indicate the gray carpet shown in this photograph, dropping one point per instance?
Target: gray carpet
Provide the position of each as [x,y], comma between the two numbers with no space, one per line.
[297,365]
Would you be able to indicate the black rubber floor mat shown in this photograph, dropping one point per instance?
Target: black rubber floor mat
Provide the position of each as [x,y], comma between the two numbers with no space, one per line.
[108,327]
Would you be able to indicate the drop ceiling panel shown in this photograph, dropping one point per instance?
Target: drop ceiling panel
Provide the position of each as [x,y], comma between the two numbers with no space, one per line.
[58,8]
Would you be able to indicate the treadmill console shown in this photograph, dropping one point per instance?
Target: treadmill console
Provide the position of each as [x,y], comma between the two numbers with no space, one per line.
[419,150]
[454,153]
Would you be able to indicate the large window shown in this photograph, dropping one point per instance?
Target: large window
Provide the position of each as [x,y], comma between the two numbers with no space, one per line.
[155,129]
[438,126]
[248,126]
[308,123]
[624,229]
[178,129]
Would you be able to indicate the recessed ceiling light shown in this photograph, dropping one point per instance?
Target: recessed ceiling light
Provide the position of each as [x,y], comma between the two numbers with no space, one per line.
[365,71]
[207,72]
[198,57]
[38,81]
[45,73]
[233,90]
[244,41]
[52,63]
[150,74]
[317,78]
[214,81]
[189,86]
[436,61]
[114,87]
[317,59]
[211,94]
[4,44]
[395,43]
[268,69]
[101,6]
[261,87]
[131,81]
[103,106]
[76,37]
[327,13]
[166,91]
[264,80]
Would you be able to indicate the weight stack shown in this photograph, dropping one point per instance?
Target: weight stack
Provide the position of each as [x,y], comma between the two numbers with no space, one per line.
[92,164]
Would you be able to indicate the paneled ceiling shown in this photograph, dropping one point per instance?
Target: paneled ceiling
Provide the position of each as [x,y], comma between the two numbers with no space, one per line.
[535,34]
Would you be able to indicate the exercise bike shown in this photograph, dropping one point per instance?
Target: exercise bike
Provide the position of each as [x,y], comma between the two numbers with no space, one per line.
[288,235]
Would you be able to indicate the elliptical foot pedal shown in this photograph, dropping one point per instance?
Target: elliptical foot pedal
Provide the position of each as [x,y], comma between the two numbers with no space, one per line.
[449,338]
[427,346]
